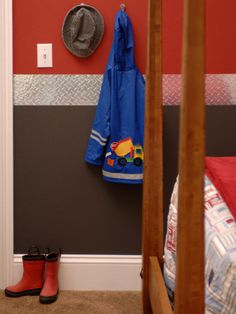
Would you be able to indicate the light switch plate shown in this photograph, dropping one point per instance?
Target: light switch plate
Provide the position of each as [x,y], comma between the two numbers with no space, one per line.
[44,55]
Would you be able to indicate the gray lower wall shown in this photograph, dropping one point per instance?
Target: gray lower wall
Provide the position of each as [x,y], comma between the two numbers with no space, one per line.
[60,201]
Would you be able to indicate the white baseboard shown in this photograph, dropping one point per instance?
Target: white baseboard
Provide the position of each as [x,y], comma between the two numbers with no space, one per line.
[94,272]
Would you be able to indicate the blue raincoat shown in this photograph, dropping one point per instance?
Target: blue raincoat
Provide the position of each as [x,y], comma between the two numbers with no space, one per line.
[116,139]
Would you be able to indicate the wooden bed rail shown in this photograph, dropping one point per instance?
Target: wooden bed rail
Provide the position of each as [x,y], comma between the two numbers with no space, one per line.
[189,295]
[152,229]
[157,289]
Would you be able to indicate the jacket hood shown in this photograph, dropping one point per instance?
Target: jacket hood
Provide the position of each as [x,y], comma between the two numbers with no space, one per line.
[122,52]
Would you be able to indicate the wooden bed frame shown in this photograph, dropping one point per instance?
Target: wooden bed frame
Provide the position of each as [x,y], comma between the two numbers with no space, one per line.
[189,293]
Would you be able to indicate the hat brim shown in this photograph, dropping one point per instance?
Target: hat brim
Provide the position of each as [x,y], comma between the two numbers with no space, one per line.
[66,31]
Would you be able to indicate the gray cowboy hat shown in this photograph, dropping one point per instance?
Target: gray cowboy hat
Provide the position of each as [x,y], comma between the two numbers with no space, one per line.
[82,30]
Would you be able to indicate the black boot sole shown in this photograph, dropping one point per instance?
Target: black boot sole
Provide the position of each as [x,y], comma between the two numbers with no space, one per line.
[48,300]
[32,292]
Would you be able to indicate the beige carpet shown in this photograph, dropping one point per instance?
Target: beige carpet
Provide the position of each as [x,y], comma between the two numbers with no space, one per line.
[71,302]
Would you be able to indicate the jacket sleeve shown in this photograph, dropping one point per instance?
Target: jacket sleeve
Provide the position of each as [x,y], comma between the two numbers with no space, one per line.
[101,126]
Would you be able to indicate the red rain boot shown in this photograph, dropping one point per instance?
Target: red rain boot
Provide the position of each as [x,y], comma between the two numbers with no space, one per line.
[50,289]
[31,282]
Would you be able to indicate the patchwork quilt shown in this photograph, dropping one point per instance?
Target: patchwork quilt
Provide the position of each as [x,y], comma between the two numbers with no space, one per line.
[220,252]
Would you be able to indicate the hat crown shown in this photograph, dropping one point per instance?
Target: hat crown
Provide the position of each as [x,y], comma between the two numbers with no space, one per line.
[83,28]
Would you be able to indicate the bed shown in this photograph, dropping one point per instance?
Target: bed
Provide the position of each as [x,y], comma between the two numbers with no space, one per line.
[220,250]
[190,265]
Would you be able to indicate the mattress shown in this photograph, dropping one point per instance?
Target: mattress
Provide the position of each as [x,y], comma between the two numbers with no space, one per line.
[220,251]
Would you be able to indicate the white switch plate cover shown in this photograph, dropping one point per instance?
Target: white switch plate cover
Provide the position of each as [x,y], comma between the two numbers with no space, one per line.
[44,56]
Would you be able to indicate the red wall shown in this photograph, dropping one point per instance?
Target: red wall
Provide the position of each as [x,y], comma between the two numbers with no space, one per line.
[41,22]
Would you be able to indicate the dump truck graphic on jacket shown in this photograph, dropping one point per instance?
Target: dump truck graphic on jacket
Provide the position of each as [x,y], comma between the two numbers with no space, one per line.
[127,152]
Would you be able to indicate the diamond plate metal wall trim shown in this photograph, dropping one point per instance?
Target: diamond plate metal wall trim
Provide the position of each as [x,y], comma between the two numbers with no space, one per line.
[84,90]
[56,90]
[220,89]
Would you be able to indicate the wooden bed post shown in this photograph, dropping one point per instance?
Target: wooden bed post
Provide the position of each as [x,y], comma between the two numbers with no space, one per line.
[189,297]
[153,173]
